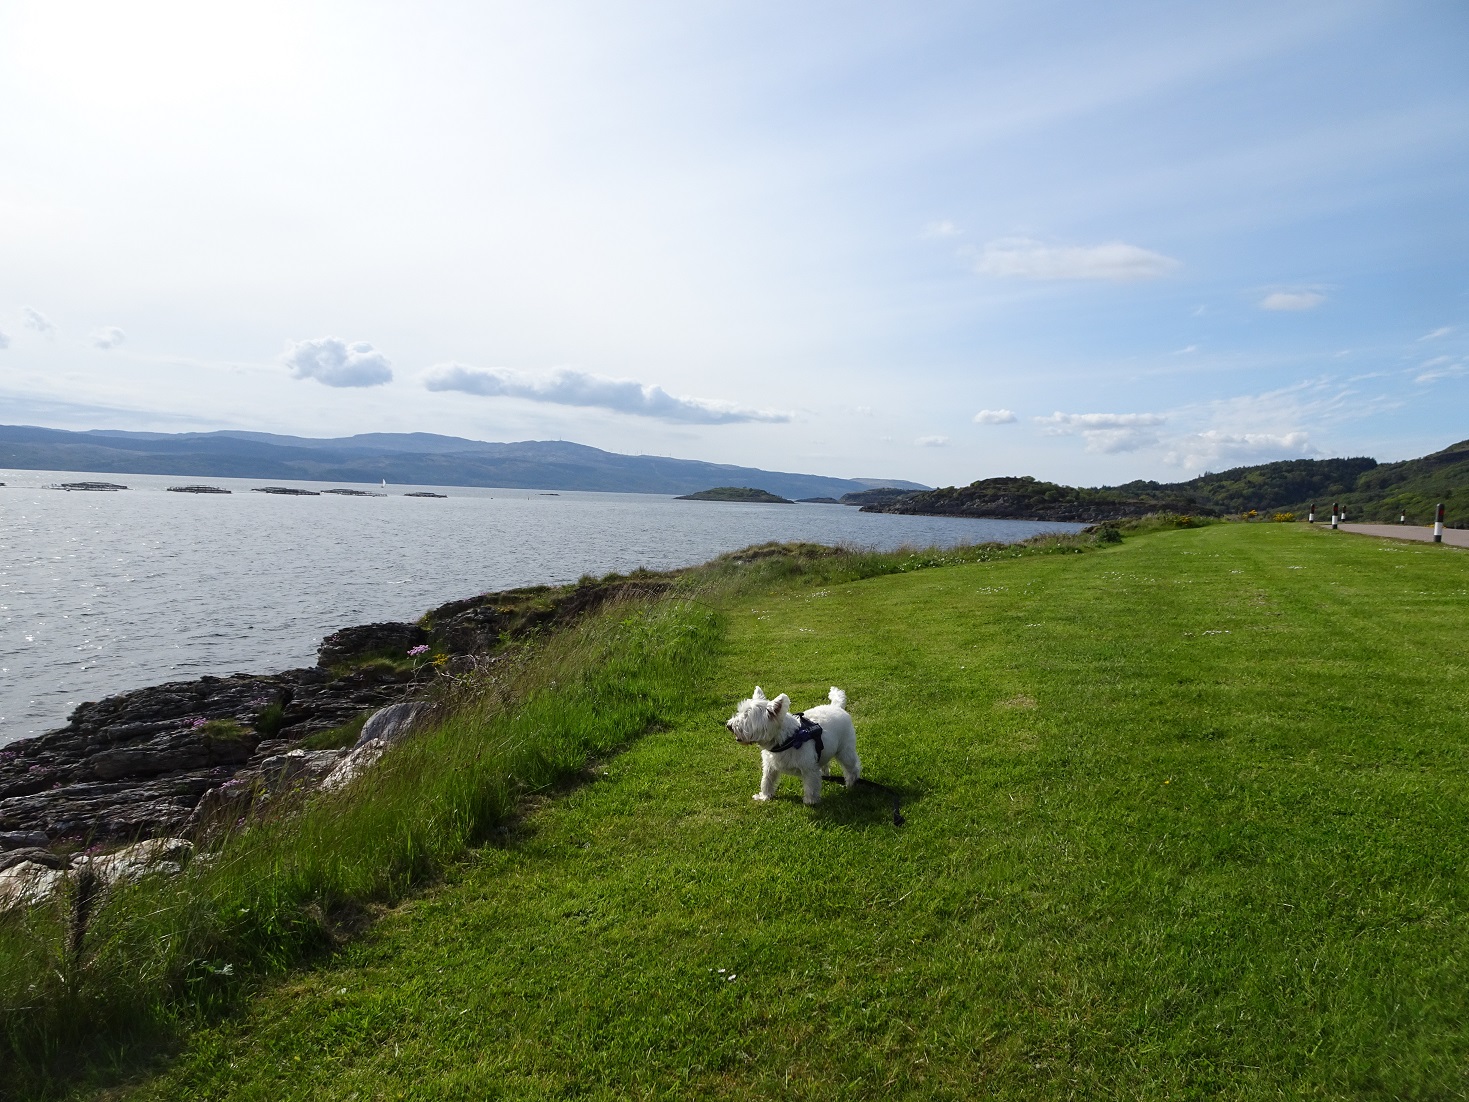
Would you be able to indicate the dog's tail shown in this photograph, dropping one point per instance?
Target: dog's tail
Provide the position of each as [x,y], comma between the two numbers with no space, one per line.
[837,697]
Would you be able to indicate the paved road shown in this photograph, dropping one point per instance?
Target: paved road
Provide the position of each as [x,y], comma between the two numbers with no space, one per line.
[1459,537]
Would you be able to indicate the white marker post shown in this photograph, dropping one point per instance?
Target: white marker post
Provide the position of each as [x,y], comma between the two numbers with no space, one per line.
[1311,516]
[1333,514]
[1438,524]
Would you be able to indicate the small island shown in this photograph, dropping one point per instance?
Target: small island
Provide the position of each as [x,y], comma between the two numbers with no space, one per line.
[198,490]
[424,493]
[354,493]
[289,491]
[737,493]
[106,487]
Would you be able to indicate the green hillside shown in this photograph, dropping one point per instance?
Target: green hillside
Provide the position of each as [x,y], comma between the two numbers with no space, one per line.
[1185,819]
[1414,487]
[1370,491]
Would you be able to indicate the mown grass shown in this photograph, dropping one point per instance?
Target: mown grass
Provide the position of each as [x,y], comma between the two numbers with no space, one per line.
[1186,819]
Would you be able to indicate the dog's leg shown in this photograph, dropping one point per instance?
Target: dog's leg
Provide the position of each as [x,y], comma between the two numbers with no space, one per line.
[768,776]
[851,764]
[811,784]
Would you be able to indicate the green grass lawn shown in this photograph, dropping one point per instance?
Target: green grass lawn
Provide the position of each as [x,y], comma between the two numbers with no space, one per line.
[1187,818]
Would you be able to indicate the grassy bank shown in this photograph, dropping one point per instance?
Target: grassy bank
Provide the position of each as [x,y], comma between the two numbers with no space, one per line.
[160,952]
[1186,819]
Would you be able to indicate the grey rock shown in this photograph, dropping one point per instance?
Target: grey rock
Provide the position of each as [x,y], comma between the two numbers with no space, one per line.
[28,883]
[156,855]
[393,722]
[297,765]
[11,858]
[365,640]
[23,839]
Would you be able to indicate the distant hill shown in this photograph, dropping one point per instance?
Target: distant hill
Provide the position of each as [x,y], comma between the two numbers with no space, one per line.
[1027,498]
[1370,491]
[418,458]
[738,493]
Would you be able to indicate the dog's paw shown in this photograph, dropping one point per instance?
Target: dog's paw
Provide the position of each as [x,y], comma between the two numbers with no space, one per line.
[761,796]
[811,803]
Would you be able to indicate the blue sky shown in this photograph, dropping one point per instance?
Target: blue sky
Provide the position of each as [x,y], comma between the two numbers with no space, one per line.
[933,241]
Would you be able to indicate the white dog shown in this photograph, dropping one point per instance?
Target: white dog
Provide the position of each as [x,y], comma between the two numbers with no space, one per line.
[800,743]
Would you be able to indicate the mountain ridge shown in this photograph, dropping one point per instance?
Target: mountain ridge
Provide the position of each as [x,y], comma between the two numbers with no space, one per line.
[400,458]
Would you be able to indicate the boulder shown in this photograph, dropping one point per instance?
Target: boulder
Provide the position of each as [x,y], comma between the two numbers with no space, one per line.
[393,722]
[386,727]
[28,883]
[156,855]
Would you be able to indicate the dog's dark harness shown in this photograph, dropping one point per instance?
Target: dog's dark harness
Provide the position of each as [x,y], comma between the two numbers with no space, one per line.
[807,732]
[811,732]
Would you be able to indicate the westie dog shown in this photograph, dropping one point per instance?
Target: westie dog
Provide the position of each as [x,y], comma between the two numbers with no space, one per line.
[800,743]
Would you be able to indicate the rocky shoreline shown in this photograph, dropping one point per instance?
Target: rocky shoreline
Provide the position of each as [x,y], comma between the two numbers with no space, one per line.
[171,759]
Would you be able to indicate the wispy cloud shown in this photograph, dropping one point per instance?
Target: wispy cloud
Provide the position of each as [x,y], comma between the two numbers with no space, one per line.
[108,337]
[932,442]
[4,340]
[1441,331]
[995,417]
[1442,367]
[1106,432]
[941,228]
[38,321]
[333,362]
[577,388]
[1292,300]
[1115,262]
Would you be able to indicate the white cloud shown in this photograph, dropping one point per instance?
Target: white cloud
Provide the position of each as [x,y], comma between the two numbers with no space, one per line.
[577,388]
[108,337]
[1187,350]
[4,340]
[1441,331]
[1218,450]
[1106,432]
[995,417]
[1292,300]
[1442,367]
[932,442]
[38,321]
[334,362]
[941,228]
[1114,262]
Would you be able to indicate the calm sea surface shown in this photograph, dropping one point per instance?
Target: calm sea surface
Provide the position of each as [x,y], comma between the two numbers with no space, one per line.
[102,592]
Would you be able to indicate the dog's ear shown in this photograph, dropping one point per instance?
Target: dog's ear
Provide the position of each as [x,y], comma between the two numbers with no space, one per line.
[759,693]
[779,706]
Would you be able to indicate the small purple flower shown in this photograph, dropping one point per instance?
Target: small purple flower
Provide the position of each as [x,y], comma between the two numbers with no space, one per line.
[414,652]
[197,721]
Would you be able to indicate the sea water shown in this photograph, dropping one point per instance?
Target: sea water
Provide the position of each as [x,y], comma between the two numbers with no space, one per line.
[102,592]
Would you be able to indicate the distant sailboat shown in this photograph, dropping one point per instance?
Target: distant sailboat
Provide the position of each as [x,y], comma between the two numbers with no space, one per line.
[385,484]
